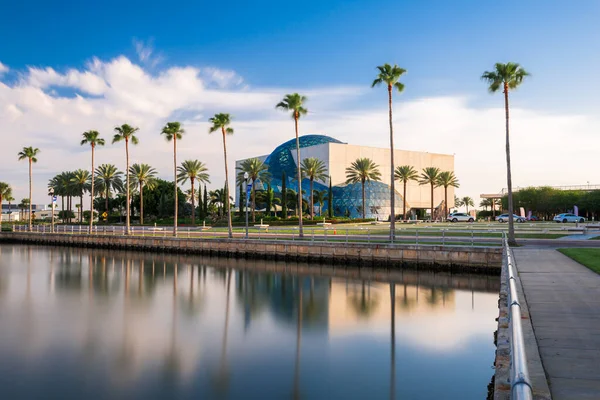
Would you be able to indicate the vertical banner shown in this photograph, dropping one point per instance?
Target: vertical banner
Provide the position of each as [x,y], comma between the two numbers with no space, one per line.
[576,210]
[522,212]
[529,215]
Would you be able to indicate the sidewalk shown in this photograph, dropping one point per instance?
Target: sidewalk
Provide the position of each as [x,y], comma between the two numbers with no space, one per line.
[564,306]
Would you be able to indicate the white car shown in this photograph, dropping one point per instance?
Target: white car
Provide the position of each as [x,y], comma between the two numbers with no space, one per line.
[460,217]
[504,218]
[566,217]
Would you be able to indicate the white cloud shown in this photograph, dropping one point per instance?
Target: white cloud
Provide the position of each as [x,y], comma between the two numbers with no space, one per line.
[146,54]
[3,69]
[35,111]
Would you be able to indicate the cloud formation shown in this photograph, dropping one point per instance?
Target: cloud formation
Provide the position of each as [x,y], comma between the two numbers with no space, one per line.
[50,109]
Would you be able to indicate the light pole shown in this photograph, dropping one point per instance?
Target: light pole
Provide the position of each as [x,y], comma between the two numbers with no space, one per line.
[247,195]
[51,194]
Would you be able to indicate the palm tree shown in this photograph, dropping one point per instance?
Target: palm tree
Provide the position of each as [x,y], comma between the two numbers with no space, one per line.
[9,199]
[257,170]
[495,202]
[110,178]
[29,153]
[193,170]
[126,132]
[485,203]
[405,173]
[295,103]
[81,182]
[172,132]
[446,179]
[22,206]
[467,201]
[221,122]
[142,175]
[457,202]
[390,76]
[430,176]
[320,195]
[5,193]
[219,198]
[508,77]
[363,170]
[93,139]
[313,169]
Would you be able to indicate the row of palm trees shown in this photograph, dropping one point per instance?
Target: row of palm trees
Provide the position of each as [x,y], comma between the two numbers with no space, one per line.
[504,76]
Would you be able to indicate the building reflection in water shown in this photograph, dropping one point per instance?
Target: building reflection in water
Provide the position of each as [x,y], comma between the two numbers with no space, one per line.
[184,324]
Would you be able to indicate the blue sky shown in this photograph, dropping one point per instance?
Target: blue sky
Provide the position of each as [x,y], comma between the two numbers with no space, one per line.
[326,47]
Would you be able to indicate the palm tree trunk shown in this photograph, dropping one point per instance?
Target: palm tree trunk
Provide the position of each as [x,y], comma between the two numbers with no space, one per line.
[511,225]
[312,200]
[404,202]
[127,226]
[175,181]
[106,200]
[141,203]
[445,201]
[300,230]
[363,199]
[92,194]
[432,202]
[30,198]
[193,203]
[81,207]
[253,200]
[230,230]
[392,188]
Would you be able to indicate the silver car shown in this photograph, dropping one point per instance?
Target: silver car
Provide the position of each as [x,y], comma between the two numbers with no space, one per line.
[566,217]
[504,218]
[460,217]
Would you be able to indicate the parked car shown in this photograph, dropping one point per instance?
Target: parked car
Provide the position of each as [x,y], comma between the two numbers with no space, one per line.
[566,217]
[504,218]
[533,218]
[460,217]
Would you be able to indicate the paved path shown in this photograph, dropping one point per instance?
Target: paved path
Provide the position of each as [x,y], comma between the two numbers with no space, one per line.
[564,305]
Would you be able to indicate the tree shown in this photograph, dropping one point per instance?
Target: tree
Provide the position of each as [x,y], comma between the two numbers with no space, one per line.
[283,195]
[467,202]
[404,174]
[257,171]
[447,179]
[320,195]
[507,76]
[330,199]
[24,204]
[5,194]
[430,176]
[142,175]
[221,122]
[363,170]
[485,203]
[109,178]
[93,139]
[173,131]
[242,200]
[313,169]
[295,103]
[29,153]
[268,197]
[9,199]
[457,202]
[193,170]
[205,202]
[82,182]
[126,133]
[390,76]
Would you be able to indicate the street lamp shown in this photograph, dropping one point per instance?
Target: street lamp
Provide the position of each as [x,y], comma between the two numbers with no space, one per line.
[51,194]
[247,192]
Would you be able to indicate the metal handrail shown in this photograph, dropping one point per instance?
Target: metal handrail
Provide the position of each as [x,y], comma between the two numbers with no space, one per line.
[520,384]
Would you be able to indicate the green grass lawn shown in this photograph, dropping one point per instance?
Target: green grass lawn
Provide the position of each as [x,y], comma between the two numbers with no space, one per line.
[588,257]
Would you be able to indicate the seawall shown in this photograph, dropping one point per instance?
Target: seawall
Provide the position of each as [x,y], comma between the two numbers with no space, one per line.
[448,258]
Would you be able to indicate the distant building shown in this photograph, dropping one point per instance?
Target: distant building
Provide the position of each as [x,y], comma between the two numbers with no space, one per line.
[347,199]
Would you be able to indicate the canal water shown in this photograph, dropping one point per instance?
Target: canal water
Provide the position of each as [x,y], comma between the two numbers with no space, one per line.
[90,324]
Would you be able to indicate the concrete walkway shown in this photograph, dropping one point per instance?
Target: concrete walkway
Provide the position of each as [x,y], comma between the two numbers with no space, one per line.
[564,306]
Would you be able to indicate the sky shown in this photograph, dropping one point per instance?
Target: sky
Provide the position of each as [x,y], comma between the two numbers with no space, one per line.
[67,67]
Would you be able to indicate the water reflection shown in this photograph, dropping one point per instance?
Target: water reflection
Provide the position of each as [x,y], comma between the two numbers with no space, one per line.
[82,323]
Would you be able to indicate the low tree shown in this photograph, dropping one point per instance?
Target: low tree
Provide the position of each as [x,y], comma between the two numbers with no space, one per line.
[362,170]
[404,174]
[283,195]
[445,180]
[5,192]
[257,170]
[330,199]
[429,176]
[467,202]
[142,175]
[195,171]
[320,196]
[313,169]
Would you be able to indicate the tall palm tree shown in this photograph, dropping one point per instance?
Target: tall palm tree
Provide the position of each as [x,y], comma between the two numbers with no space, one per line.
[221,122]
[172,132]
[110,178]
[390,76]
[430,176]
[29,153]
[363,170]
[257,170]
[447,179]
[93,139]
[126,133]
[405,173]
[313,169]
[467,201]
[506,77]
[81,182]
[320,196]
[193,170]
[5,193]
[142,175]
[295,103]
